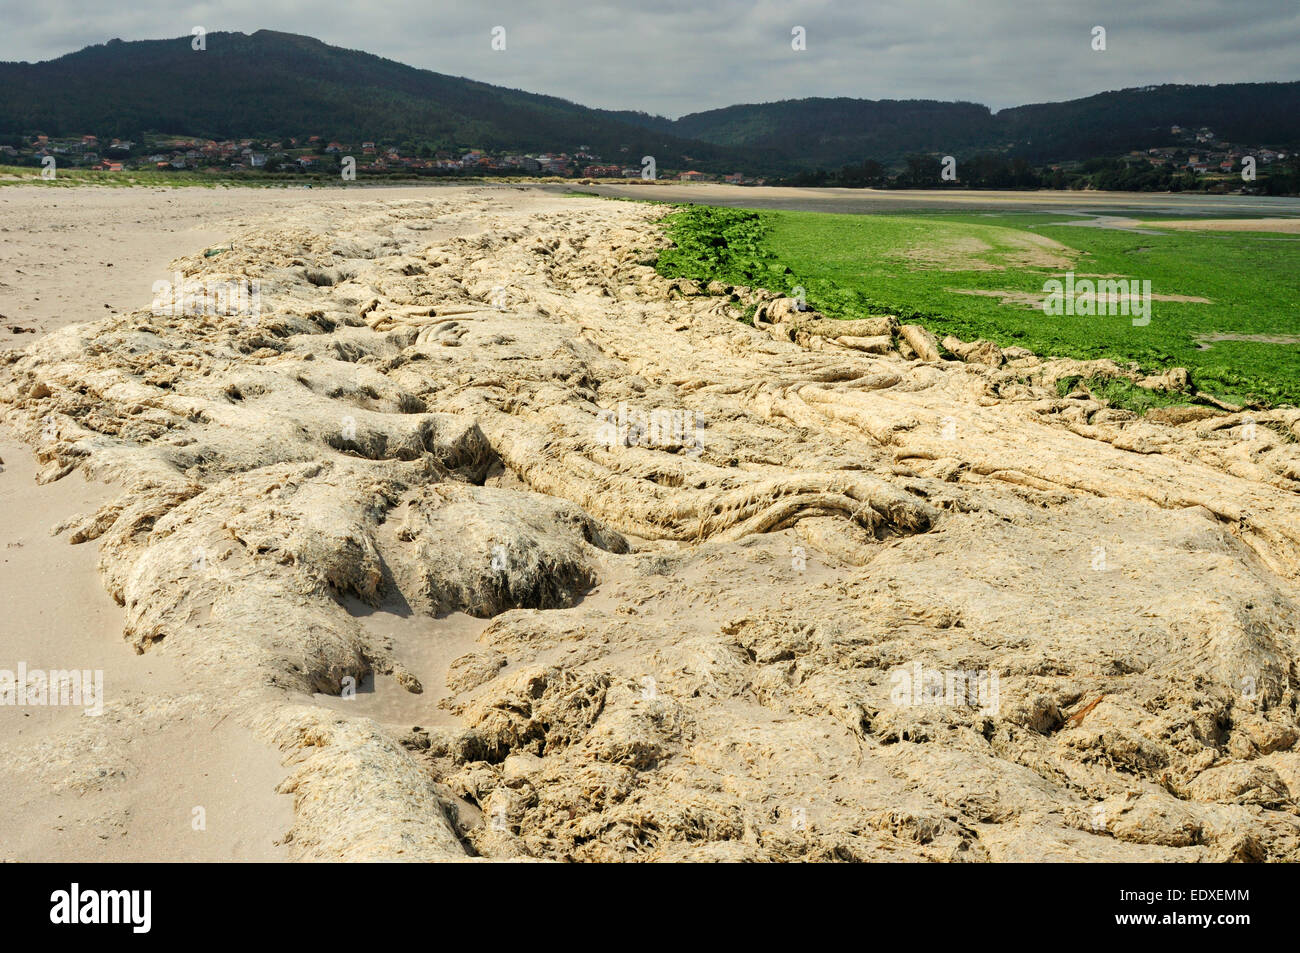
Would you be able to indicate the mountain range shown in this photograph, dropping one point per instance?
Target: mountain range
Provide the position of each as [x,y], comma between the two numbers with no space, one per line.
[271,85]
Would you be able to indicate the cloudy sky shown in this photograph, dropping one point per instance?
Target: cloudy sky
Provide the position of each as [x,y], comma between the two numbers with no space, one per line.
[673,56]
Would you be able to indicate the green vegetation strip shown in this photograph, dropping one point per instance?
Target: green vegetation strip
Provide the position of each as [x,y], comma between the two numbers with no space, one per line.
[981,275]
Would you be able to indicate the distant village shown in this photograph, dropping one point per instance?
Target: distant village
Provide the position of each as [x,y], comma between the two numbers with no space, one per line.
[314,154]
[1197,151]
[1201,151]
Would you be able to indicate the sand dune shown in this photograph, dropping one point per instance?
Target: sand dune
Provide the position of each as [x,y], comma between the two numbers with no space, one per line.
[616,577]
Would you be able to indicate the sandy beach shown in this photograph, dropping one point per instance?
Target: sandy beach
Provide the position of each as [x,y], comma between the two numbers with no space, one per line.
[74,256]
[478,539]
[865,201]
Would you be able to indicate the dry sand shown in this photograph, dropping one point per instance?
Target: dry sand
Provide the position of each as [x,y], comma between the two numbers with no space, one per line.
[411,478]
[68,253]
[128,789]
[78,254]
[1289,226]
[970,253]
[1035,299]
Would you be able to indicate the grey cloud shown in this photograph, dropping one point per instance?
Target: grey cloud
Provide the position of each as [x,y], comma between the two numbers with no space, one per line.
[676,56]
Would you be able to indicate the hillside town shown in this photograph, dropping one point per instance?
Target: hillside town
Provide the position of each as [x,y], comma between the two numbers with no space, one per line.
[1201,151]
[1191,152]
[315,154]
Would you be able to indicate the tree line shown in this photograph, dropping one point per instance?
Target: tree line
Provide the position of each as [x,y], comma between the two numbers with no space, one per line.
[1005,172]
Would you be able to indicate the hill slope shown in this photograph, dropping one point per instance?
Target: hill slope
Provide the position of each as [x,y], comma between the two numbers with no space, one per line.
[275,85]
[1257,113]
[830,132]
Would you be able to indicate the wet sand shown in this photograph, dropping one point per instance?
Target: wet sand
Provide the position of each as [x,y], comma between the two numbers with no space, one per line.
[866,201]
